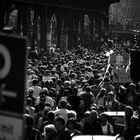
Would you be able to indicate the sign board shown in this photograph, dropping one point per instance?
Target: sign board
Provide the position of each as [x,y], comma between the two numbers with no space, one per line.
[12,73]
[119,59]
[120,75]
[11,128]
[93,137]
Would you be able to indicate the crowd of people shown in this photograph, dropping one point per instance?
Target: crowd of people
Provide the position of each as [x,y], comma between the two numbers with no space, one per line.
[68,93]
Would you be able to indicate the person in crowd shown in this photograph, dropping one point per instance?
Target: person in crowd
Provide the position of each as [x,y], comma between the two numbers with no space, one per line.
[128,114]
[133,97]
[78,76]
[93,127]
[71,125]
[88,98]
[107,128]
[30,132]
[44,95]
[76,101]
[112,104]
[30,107]
[30,94]
[49,120]
[49,132]
[62,131]
[45,116]
[101,97]
[62,111]
[133,130]
[39,114]
[36,88]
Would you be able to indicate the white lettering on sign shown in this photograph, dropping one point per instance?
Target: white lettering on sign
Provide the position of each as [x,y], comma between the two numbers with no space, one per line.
[7,61]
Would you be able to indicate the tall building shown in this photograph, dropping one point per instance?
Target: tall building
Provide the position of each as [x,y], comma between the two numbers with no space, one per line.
[125,11]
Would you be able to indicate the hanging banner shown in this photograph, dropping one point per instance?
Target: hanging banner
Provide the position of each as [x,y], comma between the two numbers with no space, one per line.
[120,75]
[119,59]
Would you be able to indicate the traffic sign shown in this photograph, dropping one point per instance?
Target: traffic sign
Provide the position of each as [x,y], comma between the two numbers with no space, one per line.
[12,73]
[11,128]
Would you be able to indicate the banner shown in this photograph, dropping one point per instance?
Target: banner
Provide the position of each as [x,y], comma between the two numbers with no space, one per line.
[119,59]
[120,75]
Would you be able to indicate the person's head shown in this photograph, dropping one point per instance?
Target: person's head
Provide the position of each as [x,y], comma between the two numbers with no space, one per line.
[86,116]
[44,91]
[128,112]
[49,131]
[102,92]
[41,106]
[53,72]
[111,96]
[45,111]
[59,123]
[67,84]
[134,122]
[75,91]
[72,114]
[87,89]
[29,102]
[71,123]
[30,92]
[47,72]
[132,87]
[51,115]
[66,92]
[35,82]
[63,104]
[93,116]
[28,120]
[103,118]
[100,109]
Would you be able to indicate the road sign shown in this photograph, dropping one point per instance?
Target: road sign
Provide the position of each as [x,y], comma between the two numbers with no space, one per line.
[11,128]
[12,73]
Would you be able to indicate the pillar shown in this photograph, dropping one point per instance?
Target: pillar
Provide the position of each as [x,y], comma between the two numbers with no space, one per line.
[25,15]
[19,20]
[59,25]
[76,32]
[91,30]
[2,10]
[82,30]
[34,35]
[43,27]
[71,31]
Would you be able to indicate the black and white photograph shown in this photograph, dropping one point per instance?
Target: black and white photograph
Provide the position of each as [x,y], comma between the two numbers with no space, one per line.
[69,69]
